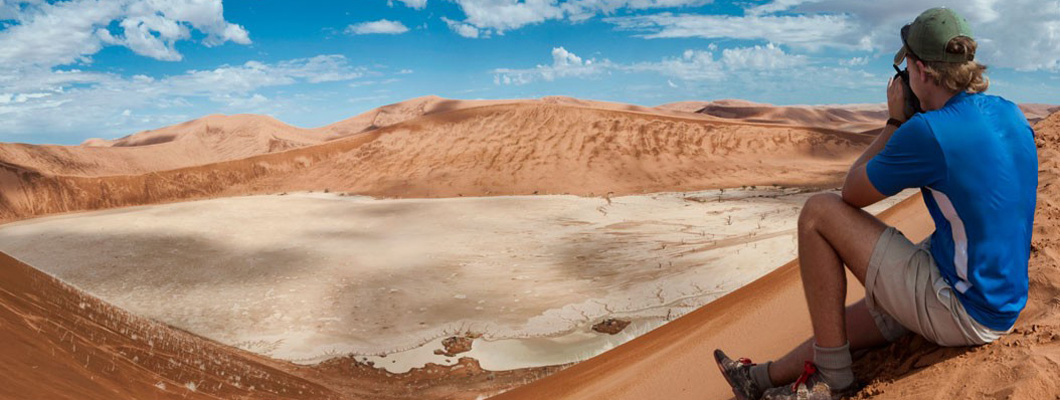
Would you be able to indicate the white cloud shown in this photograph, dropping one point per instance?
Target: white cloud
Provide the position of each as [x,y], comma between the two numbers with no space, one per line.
[804,31]
[383,26]
[564,64]
[140,37]
[705,65]
[498,16]
[505,15]
[251,102]
[253,75]
[462,29]
[754,69]
[775,6]
[692,65]
[365,83]
[30,100]
[51,34]
[322,68]
[769,56]
[1019,34]
[854,62]
[417,4]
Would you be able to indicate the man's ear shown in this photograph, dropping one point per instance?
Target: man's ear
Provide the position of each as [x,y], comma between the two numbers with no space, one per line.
[920,71]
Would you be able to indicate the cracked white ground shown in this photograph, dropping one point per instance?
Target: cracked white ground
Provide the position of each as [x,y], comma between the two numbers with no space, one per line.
[306,277]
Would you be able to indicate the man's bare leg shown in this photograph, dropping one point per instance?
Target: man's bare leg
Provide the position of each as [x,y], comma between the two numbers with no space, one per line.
[832,233]
[861,331]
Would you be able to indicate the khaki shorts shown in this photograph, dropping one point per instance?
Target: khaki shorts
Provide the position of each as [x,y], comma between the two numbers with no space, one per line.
[905,292]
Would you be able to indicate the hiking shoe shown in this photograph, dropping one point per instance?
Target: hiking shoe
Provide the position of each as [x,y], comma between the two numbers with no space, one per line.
[809,386]
[738,374]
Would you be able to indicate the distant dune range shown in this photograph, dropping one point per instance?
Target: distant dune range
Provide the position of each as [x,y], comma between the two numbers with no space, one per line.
[848,117]
[865,118]
[61,343]
[427,148]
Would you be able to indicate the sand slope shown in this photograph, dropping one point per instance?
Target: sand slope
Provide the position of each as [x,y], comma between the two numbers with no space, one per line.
[767,317]
[61,343]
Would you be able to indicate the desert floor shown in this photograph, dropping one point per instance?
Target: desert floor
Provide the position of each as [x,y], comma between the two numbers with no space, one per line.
[307,277]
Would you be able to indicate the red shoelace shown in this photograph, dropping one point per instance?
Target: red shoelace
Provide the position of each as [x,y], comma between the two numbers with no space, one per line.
[807,370]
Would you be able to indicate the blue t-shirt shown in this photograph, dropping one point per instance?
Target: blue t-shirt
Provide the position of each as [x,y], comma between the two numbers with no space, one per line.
[975,161]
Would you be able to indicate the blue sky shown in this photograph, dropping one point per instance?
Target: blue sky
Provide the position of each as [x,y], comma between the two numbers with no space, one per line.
[77,69]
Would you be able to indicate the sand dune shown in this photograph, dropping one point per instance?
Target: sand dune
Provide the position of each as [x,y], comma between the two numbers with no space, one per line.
[520,148]
[230,130]
[864,118]
[202,141]
[851,117]
[407,110]
[208,140]
[1036,112]
[397,113]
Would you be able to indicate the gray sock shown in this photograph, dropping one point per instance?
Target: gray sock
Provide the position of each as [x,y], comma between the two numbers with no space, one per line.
[760,373]
[833,363]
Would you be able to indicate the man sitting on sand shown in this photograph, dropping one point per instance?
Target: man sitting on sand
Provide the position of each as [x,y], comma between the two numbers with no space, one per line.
[973,157]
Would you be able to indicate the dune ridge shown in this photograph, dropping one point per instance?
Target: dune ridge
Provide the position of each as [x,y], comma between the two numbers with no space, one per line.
[852,117]
[517,148]
[202,141]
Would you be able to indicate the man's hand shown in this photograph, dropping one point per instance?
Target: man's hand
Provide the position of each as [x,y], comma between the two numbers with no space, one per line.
[896,99]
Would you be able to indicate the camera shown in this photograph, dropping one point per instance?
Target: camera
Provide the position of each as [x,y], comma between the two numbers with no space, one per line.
[912,104]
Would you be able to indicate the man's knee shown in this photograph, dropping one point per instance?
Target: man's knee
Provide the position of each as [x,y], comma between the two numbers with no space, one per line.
[817,207]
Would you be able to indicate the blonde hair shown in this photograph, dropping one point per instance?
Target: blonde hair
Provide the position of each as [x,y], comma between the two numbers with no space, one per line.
[967,76]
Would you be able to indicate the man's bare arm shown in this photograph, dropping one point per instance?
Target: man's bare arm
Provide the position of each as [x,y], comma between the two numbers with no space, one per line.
[858,191]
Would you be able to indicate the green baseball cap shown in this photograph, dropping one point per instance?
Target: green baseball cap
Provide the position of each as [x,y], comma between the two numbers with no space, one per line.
[926,38]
